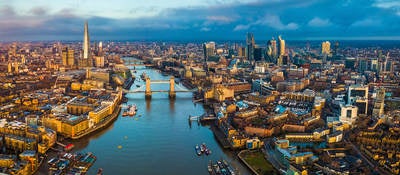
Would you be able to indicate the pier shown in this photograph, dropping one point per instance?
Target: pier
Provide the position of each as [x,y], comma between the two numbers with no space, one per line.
[220,137]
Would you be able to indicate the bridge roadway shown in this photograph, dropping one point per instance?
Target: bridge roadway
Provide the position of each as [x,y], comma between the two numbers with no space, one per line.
[153,91]
[159,81]
[148,65]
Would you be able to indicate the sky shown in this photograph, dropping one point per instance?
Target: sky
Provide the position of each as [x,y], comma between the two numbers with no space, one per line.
[200,19]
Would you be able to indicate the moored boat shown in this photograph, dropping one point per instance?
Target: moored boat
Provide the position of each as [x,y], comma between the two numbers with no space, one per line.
[209,167]
[228,167]
[198,150]
[100,171]
[126,111]
[132,110]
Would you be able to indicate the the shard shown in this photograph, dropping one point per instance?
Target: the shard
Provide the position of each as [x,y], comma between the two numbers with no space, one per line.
[86,42]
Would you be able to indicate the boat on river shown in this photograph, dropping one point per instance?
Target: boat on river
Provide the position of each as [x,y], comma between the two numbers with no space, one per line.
[132,110]
[198,150]
[193,118]
[126,111]
[206,151]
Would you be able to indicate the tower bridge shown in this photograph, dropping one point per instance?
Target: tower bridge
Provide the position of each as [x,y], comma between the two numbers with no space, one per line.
[148,92]
[136,63]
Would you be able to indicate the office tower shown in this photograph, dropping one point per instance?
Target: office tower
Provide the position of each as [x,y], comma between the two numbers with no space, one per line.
[281,46]
[336,48]
[357,95]
[9,67]
[88,73]
[99,60]
[67,57]
[272,51]
[241,51]
[374,65]
[86,60]
[100,48]
[326,48]
[362,65]
[208,50]
[389,66]
[350,62]
[170,50]
[86,42]
[285,60]
[348,114]
[23,60]
[379,102]
[279,61]
[258,53]
[250,46]
[16,67]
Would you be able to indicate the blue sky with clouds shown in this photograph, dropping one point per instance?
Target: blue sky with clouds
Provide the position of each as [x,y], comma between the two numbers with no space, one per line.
[199,19]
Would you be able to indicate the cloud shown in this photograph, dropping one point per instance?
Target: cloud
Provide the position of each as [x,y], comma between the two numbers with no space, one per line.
[205,29]
[275,22]
[241,27]
[219,18]
[38,11]
[318,22]
[7,11]
[392,5]
[227,19]
[387,4]
[366,23]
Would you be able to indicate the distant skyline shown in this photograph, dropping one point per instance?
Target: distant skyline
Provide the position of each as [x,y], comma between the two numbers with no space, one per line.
[200,19]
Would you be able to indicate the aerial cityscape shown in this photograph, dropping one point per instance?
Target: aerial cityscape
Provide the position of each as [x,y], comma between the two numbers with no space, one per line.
[200,87]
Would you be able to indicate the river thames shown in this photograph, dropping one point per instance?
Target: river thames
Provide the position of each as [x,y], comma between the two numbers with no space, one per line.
[160,141]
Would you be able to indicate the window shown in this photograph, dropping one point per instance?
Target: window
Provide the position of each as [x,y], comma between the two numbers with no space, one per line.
[348,115]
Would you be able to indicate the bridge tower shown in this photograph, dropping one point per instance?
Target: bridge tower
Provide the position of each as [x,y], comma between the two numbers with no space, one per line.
[147,92]
[172,93]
